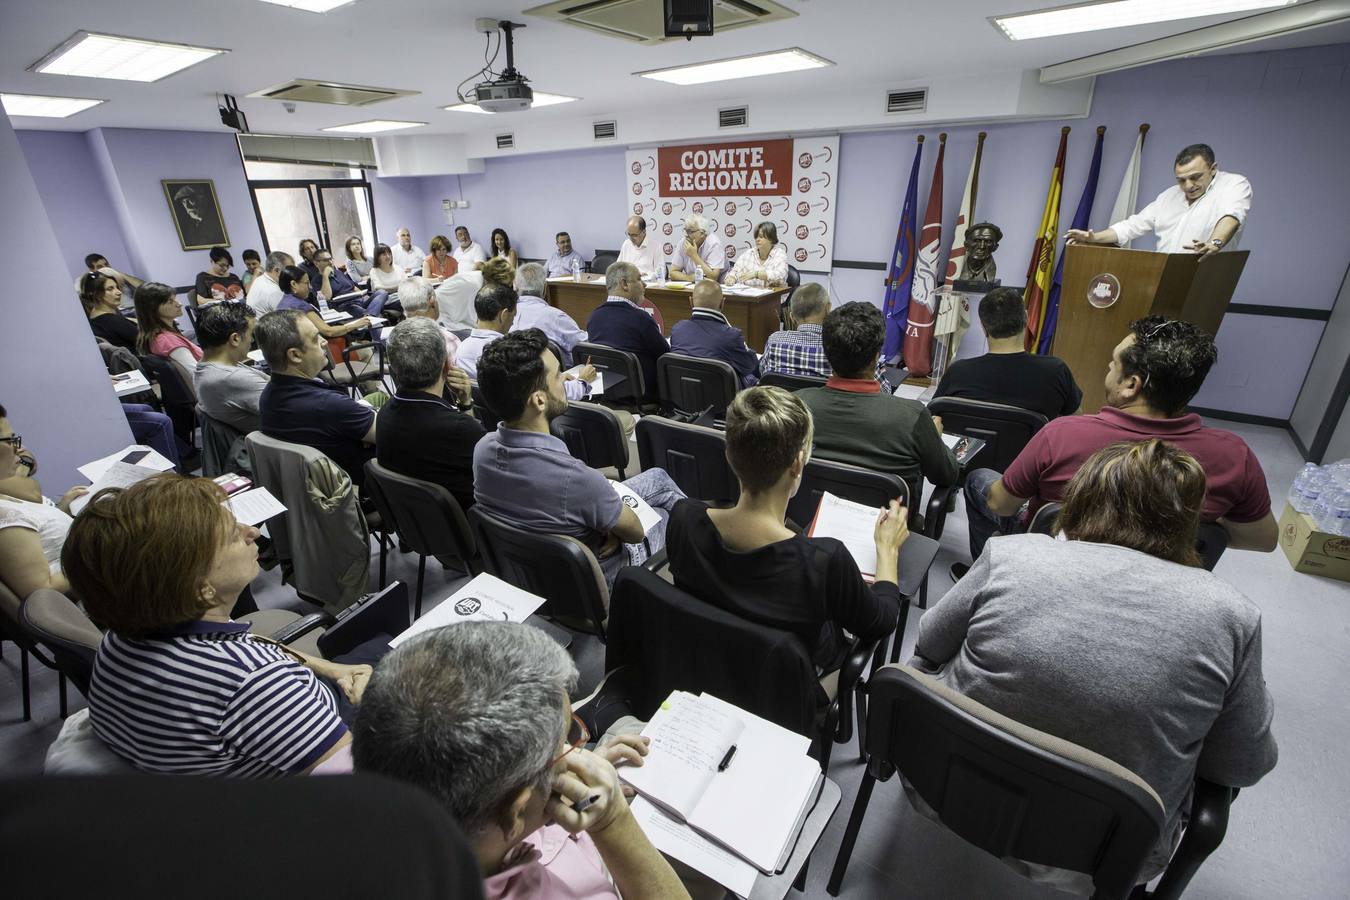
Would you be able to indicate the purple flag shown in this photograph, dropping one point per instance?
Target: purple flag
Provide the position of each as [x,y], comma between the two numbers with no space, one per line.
[901,278]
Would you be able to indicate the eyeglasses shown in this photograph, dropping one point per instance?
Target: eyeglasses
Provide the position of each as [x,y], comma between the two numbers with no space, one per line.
[16,443]
[578,736]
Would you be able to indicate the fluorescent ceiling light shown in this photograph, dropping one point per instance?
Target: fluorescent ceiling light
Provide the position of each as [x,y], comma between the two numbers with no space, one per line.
[46,107]
[375,125]
[540,99]
[791,60]
[127,59]
[315,6]
[1119,14]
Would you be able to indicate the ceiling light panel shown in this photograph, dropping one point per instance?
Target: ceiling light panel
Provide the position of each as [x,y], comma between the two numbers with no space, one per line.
[779,61]
[314,6]
[373,126]
[45,107]
[1119,14]
[90,55]
[540,99]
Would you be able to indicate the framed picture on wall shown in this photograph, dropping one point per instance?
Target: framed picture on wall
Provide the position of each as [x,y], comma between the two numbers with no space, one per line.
[196,214]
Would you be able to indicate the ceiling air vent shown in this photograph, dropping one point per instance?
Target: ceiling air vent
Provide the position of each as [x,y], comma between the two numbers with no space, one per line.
[306,90]
[733,117]
[907,101]
[605,131]
[506,141]
[643,21]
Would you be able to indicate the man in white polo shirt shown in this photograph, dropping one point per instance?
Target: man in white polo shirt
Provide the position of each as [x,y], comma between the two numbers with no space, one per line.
[407,255]
[264,293]
[1203,213]
[469,255]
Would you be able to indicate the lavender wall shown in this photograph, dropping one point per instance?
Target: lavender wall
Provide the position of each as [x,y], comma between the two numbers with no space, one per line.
[400,203]
[87,422]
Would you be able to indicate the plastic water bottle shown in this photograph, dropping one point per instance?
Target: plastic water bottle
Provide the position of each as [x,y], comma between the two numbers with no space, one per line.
[698,274]
[323,303]
[1341,508]
[576,270]
[1300,481]
[662,273]
[1313,490]
[1322,514]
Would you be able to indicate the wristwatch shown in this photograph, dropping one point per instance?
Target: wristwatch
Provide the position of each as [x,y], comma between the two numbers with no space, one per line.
[1216,242]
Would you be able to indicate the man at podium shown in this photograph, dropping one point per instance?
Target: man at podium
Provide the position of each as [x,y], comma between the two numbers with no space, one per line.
[1204,213]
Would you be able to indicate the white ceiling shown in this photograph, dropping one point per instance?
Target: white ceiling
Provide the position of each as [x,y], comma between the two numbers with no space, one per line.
[430,45]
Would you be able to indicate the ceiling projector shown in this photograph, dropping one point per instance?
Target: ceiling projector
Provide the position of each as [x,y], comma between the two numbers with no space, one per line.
[509,90]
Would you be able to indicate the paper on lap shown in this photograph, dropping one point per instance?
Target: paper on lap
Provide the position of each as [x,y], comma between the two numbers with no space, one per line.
[134,454]
[647,516]
[119,475]
[853,525]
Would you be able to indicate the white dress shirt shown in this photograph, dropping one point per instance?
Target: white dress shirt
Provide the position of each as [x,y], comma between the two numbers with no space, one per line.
[408,259]
[647,258]
[264,294]
[469,258]
[454,298]
[712,250]
[1178,223]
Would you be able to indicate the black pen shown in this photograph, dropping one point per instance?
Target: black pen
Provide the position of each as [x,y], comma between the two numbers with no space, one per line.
[585,803]
[726,760]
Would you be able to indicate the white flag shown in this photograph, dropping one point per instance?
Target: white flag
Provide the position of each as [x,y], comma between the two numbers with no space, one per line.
[1129,186]
[963,218]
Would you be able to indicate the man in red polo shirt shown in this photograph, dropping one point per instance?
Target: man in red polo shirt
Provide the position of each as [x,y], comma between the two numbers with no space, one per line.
[1154,373]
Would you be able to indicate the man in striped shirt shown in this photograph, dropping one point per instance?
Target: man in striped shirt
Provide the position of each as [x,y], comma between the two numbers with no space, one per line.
[802,351]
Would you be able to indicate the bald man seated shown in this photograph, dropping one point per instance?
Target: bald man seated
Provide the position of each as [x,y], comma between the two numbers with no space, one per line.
[641,249]
[708,334]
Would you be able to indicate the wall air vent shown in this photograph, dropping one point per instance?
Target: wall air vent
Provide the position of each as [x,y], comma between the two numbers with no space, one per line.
[605,131]
[506,141]
[733,117]
[907,101]
[306,90]
[643,21]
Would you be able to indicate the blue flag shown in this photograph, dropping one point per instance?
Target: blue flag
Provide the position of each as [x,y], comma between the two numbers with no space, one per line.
[899,283]
[1081,221]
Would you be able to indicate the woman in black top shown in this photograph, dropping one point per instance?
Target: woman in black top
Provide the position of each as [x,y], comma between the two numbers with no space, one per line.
[747,561]
[101,297]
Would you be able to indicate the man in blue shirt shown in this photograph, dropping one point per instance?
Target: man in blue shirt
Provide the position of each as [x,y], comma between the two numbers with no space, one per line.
[533,311]
[333,282]
[298,407]
[560,263]
[708,334]
[620,323]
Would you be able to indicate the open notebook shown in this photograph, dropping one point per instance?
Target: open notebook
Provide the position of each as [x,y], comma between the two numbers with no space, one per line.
[853,525]
[756,805]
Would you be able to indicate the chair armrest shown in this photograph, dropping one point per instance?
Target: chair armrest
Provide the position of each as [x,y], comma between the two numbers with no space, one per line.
[385,612]
[935,517]
[859,660]
[1204,832]
[657,561]
[302,626]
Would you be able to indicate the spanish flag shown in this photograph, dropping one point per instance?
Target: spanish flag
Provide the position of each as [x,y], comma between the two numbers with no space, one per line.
[1042,267]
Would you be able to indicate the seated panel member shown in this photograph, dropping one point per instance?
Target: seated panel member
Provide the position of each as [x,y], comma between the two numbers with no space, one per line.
[418,299]
[439,263]
[1154,373]
[745,560]
[501,247]
[228,388]
[468,253]
[265,293]
[1116,639]
[297,407]
[480,716]
[560,261]
[701,250]
[533,311]
[407,255]
[524,475]
[641,249]
[764,264]
[708,334]
[856,422]
[426,431]
[1008,374]
[620,323]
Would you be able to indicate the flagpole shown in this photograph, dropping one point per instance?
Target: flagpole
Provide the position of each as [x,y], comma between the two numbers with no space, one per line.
[975,177]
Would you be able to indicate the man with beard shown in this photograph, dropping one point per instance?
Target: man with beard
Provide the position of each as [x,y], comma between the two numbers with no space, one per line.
[525,476]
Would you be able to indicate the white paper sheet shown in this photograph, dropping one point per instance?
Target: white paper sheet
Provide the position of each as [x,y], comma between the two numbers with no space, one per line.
[256,356]
[333,315]
[133,454]
[119,474]
[951,440]
[253,507]
[912,392]
[130,383]
[853,524]
[629,498]
[486,597]
[693,849]
[597,385]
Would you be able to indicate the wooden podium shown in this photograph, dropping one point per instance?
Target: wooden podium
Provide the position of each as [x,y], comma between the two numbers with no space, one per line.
[1107,288]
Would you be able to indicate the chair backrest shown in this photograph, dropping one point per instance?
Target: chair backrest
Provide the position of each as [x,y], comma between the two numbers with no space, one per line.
[1005,429]
[676,641]
[791,382]
[426,516]
[323,533]
[1046,520]
[843,480]
[694,456]
[481,410]
[62,627]
[593,435]
[602,260]
[1210,541]
[692,384]
[1009,789]
[172,389]
[223,447]
[621,362]
[794,278]
[553,566]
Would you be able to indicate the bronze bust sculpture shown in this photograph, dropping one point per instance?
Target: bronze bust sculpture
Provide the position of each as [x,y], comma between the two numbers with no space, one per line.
[981,241]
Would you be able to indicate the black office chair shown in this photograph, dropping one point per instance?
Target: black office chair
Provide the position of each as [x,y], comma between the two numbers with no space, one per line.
[1005,429]
[65,632]
[1017,792]
[602,260]
[556,567]
[791,382]
[12,629]
[1046,519]
[593,435]
[694,456]
[357,376]
[481,410]
[691,385]
[426,517]
[1211,540]
[662,639]
[632,390]
[794,281]
[177,396]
